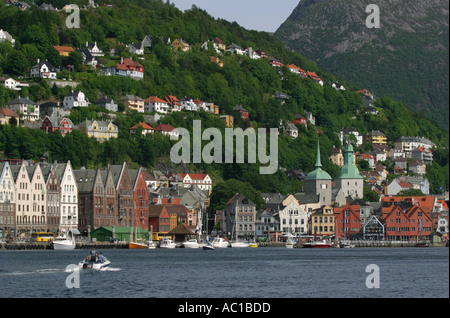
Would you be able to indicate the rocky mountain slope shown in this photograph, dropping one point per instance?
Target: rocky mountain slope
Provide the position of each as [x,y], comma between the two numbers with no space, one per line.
[406,58]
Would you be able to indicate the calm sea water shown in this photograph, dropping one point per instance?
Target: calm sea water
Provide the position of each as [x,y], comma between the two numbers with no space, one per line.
[230,273]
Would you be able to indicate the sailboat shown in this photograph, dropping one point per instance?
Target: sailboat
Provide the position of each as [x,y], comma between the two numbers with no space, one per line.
[137,243]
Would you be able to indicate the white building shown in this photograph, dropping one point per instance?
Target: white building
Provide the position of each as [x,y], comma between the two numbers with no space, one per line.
[7,200]
[69,196]
[13,84]
[156,104]
[293,218]
[409,143]
[5,36]
[75,99]
[43,69]
[201,180]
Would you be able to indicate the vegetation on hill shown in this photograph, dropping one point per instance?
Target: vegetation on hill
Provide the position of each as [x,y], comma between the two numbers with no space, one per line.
[242,81]
[406,58]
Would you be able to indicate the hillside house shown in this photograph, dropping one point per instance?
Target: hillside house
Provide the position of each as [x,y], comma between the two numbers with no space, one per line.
[126,68]
[5,36]
[63,50]
[8,117]
[244,112]
[155,104]
[63,124]
[423,154]
[28,109]
[146,129]
[107,103]
[94,49]
[167,130]
[13,84]
[75,99]
[100,130]
[43,69]
[132,102]
[181,45]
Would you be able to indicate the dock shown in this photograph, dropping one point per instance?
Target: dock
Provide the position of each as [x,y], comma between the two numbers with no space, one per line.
[48,246]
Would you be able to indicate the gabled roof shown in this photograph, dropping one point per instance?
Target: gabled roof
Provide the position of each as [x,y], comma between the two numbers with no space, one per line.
[154,99]
[164,127]
[143,125]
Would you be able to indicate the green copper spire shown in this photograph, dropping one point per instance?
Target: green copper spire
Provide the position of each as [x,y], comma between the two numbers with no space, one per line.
[349,170]
[318,173]
[318,163]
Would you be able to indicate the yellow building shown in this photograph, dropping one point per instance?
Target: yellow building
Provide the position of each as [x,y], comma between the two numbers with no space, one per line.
[100,130]
[180,45]
[322,221]
[376,138]
[228,119]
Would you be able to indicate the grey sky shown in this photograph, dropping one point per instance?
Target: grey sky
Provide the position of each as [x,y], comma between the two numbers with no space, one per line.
[260,15]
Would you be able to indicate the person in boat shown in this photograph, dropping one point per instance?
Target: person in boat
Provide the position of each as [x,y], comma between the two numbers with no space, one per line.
[93,256]
[101,258]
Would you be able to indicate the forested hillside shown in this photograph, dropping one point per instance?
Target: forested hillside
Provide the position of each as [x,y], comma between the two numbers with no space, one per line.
[242,81]
[406,58]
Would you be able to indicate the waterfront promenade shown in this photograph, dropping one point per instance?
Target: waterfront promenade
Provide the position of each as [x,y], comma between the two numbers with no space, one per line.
[124,245]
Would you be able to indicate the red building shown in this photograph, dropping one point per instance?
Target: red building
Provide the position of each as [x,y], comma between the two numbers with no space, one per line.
[140,198]
[299,120]
[50,124]
[406,223]
[347,221]
[242,111]
[159,218]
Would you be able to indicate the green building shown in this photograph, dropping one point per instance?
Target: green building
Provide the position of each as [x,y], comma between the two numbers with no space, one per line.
[121,233]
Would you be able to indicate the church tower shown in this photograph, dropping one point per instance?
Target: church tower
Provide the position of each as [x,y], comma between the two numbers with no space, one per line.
[318,181]
[349,182]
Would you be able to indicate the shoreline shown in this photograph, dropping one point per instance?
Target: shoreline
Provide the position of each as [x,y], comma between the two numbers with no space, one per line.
[124,245]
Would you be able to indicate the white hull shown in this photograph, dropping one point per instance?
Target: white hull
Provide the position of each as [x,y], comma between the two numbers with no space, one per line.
[96,266]
[191,244]
[167,243]
[151,245]
[240,244]
[66,245]
[289,245]
[220,243]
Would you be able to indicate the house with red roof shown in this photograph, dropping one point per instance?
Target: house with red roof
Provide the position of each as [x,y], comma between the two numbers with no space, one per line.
[167,130]
[314,77]
[126,68]
[6,116]
[63,50]
[201,180]
[298,119]
[174,103]
[156,104]
[146,129]
[423,154]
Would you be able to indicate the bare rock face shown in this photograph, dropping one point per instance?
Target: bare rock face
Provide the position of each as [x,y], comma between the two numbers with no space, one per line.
[406,58]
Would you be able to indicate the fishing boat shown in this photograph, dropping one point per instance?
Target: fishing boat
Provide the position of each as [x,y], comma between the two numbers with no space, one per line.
[192,243]
[64,242]
[208,246]
[240,244]
[136,243]
[97,265]
[318,244]
[220,242]
[166,242]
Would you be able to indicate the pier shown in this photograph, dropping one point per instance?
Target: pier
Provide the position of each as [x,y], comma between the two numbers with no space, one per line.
[48,246]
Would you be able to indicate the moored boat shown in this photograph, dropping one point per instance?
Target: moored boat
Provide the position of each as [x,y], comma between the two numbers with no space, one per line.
[166,242]
[220,242]
[64,242]
[151,245]
[137,245]
[192,243]
[253,245]
[318,244]
[240,244]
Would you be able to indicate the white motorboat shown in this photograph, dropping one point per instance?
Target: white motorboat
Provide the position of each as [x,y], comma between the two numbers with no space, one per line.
[240,244]
[192,243]
[220,242]
[151,245]
[346,245]
[64,243]
[166,242]
[208,246]
[97,265]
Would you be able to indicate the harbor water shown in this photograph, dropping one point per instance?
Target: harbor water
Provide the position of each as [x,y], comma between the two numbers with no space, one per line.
[230,273]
